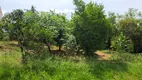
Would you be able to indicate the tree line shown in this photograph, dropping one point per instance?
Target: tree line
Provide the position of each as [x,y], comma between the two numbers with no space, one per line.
[88,30]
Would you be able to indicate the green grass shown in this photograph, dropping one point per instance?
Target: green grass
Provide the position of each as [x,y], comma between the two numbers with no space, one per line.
[121,66]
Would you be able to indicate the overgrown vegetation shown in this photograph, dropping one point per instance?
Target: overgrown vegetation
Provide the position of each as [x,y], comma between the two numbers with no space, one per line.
[45,66]
[91,26]
[46,45]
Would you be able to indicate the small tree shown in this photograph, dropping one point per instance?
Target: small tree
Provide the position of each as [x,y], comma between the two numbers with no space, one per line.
[12,23]
[91,26]
[58,23]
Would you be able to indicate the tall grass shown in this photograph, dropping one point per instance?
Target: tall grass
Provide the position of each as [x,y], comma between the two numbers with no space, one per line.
[51,68]
[121,66]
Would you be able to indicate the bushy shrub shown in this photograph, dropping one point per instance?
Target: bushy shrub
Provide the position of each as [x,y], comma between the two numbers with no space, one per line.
[122,43]
[5,36]
[71,46]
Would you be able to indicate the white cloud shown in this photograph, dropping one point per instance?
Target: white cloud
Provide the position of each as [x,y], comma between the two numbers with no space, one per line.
[66,6]
[63,11]
[66,11]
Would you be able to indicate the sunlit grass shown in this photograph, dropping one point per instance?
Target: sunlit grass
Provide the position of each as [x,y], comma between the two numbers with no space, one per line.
[121,66]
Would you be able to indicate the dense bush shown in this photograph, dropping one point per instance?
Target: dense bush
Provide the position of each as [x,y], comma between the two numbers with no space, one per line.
[91,26]
[131,26]
[71,46]
[5,36]
[122,43]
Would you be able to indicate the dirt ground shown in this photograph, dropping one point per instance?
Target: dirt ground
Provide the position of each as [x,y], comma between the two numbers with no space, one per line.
[103,56]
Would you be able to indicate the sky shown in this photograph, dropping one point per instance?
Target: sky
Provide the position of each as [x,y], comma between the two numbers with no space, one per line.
[66,6]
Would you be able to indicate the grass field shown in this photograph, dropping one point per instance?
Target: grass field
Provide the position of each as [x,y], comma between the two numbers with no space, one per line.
[119,66]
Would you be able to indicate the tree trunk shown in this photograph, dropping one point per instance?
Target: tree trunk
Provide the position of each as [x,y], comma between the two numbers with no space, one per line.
[22,50]
[49,48]
[20,44]
[60,48]
[109,43]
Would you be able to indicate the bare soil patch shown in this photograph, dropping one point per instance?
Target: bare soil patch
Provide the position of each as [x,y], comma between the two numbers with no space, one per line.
[103,56]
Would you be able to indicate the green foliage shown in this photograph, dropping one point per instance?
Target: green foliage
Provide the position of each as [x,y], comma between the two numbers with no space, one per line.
[12,23]
[59,22]
[71,46]
[112,20]
[122,43]
[1,31]
[5,36]
[41,66]
[54,28]
[91,26]
[130,25]
[88,30]
[113,29]
[126,57]
[121,66]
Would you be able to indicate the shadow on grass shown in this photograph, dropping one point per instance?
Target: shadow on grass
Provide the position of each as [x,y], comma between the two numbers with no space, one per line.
[106,69]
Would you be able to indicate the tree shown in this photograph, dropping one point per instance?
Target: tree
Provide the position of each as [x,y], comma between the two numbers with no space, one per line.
[46,31]
[33,9]
[91,26]
[130,25]
[113,28]
[57,23]
[50,27]
[13,25]
[60,26]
